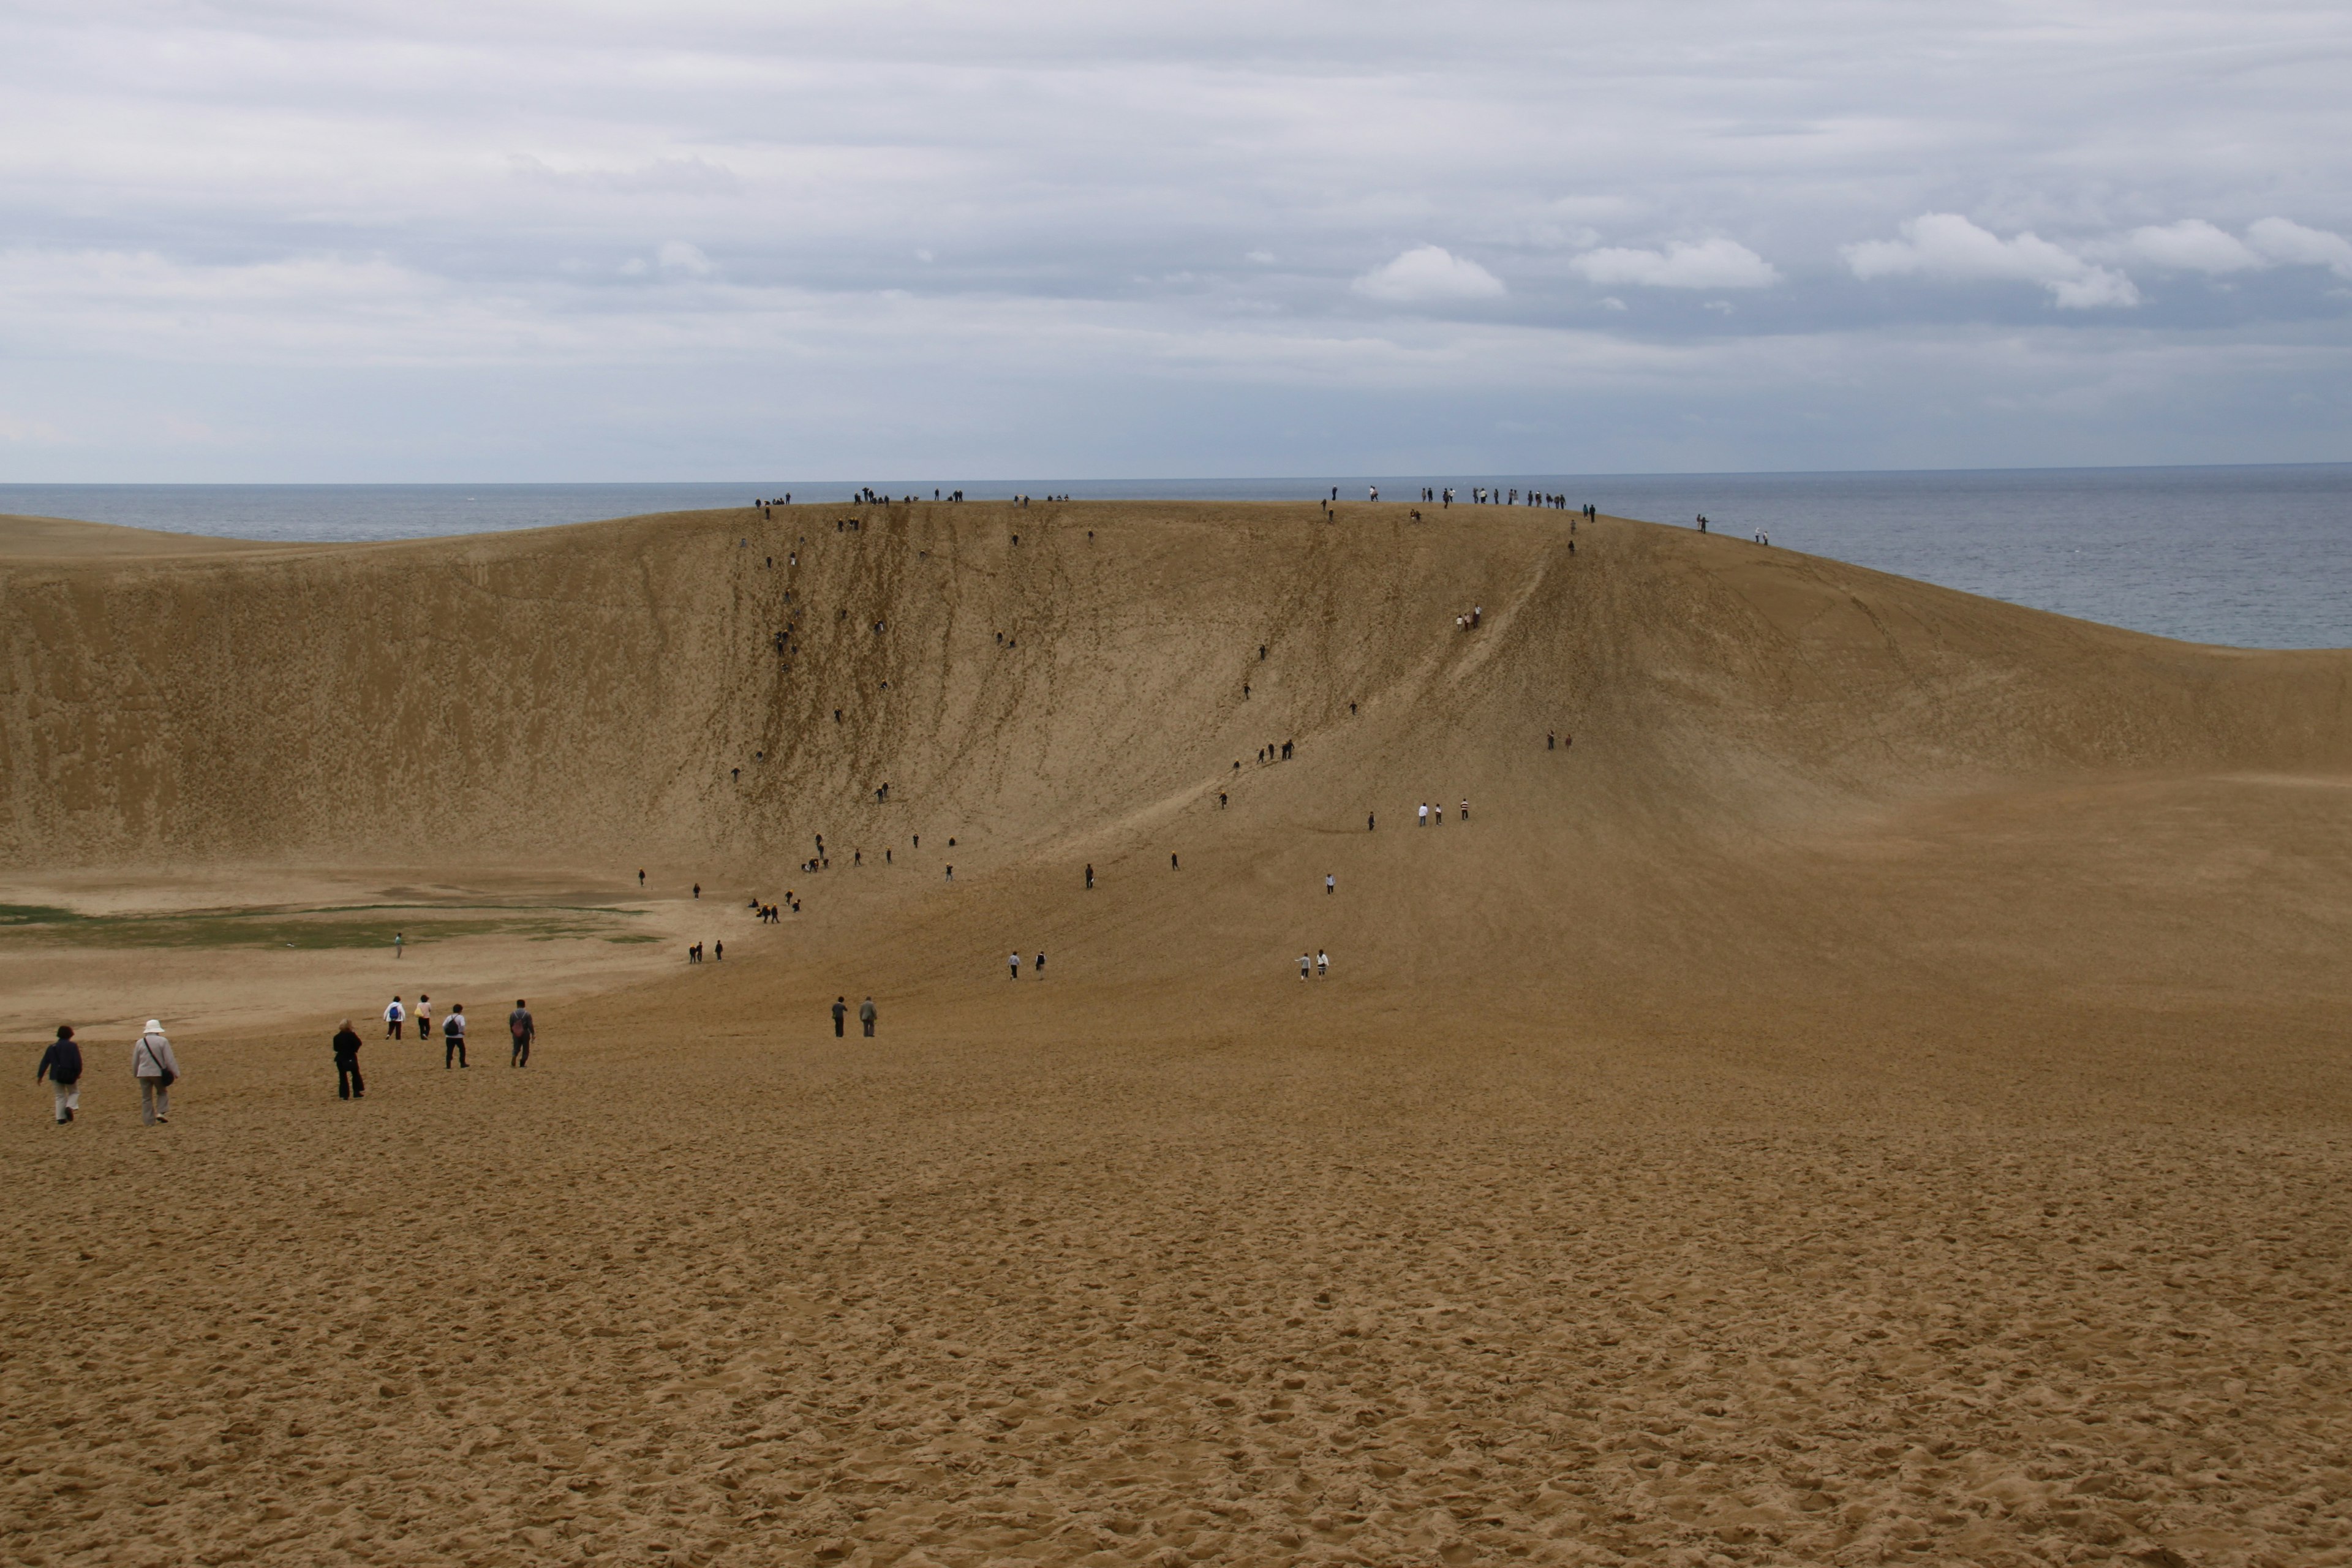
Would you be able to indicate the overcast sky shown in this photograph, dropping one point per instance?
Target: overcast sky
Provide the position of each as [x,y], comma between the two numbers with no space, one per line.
[421,241]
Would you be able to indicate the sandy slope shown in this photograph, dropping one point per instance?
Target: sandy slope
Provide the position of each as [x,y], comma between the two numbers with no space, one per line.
[1881,1093]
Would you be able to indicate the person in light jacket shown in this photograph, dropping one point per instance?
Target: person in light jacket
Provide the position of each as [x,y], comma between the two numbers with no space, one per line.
[61,1065]
[157,1070]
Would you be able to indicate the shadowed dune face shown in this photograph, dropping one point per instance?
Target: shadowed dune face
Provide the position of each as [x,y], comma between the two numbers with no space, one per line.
[587,694]
[1875,1091]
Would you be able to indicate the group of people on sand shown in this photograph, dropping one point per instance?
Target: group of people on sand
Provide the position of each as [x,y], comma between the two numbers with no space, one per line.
[1468,621]
[156,1067]
[1013,960]
[152,1064]
[1429,816]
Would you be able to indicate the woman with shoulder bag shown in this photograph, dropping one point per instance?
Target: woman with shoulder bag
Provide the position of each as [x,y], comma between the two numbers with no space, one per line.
[157,1070]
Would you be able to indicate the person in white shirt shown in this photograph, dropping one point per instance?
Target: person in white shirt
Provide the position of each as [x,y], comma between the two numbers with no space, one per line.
[393,1017]
[1330,883]
[1304,964]
[1424,822]
[1014,960]
[1322,964]
[424,1017]
[156,1068]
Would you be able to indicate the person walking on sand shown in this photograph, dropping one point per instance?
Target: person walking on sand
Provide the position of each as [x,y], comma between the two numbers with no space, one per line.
[393,1017]
[1466,808]
[425,1017]
[1012,962]
[453,1036]
[1040,963]
[1424,816]
[1371,822]
[840,1011]
[349,1085]
[1331,884]
[525,1029]
[399,942]
[61,1065]
[1090,876]
[157,1070]
[1322,964]
[865,1017]
[1305,965]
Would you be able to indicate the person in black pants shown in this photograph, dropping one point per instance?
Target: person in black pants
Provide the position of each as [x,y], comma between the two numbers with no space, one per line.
[866,1015]
[840,1011]
[453,1036]
[520,1025]
[349,1085]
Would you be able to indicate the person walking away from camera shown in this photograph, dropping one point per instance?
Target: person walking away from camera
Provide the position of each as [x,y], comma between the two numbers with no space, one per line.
[1040,963]
[865,1017]
[1305,965]
[840,1011]
[424,1017]
[453,1036]
[349,1085]
[157,1070]
[1330,883]
[393,1017]
[1014,960]
[61,1065]
[525,1029]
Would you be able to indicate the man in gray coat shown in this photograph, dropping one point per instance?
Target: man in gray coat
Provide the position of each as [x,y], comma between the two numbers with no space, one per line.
[866,1015]
[157,1070]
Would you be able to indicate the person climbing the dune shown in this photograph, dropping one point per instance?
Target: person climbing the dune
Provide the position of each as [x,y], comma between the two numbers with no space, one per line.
[349,1084]
[1040,963]
[1371,822]
[1466,808]
[1013,964]
[1331,884]
[1306,964]
[520,1025]
[1424,816]
[1322,964]
[393,1017]
[61,1065]
[865,1017]
[840,1011]
[453,1036]
[1090,877]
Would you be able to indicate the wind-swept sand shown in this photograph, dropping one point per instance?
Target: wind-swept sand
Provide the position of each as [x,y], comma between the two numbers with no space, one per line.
[1881,1093]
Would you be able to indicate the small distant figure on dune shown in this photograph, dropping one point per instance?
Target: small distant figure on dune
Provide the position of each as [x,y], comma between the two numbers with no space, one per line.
[1090,877]
[1221,800]
[1702,523]
[349,1085]
[393,1017]
[1305,965]
[840,1011]
[866,1015]
[1466,808]
[1371,822]
[157,1070]
[1424,816]
[1477,614]
[641,878]
[1322,964]
[1331,884]
[399,942]
[1040,963]
[424,1017]
[1172,860]
[453,1036]
[1012,966]
[718,952]
[61,1065]
[950,873]
[697,890]
[1372,493]
[520,1025]
[1551,740]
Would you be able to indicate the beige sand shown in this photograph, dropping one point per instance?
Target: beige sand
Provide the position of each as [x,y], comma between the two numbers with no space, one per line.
[1880,1094]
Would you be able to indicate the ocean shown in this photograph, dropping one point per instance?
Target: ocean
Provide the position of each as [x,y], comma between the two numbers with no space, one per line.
[2254,557]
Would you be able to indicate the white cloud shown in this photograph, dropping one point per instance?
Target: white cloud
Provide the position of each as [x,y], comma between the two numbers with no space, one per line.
[2293,245]
[2192,244]
[1946,245]
[679,259]
[1710,264]
[1429,272]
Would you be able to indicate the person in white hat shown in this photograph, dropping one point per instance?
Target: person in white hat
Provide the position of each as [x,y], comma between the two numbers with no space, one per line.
[157,1070]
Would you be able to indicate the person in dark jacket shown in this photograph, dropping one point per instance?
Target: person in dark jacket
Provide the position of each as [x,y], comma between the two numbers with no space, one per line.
[520,1025]
[453,1035]
[349,1085]
[840,1011]
[61,1065]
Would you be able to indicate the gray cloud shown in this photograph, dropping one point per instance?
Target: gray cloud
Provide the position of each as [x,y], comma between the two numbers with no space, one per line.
[1055,214]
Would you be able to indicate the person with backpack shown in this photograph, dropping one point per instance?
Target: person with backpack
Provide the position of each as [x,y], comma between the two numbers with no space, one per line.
[61,1065]
[349,1085]
[453,1036]
[157,1070]
[519,1024]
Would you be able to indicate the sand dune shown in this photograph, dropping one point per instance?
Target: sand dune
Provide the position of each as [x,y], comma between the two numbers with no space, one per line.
[1880,1093]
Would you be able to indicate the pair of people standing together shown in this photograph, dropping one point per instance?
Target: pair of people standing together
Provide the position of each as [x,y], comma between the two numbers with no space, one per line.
[151,1063]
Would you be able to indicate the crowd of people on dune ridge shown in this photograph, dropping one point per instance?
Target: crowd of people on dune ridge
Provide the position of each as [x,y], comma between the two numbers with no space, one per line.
[155,1067]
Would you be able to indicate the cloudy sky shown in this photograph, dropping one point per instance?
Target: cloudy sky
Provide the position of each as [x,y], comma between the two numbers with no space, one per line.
[705,241]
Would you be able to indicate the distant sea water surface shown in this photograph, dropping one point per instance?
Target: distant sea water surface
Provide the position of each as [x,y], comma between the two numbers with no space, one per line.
[2254,557]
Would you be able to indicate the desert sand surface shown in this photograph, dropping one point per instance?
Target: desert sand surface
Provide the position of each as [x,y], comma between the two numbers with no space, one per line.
[1878,1089]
